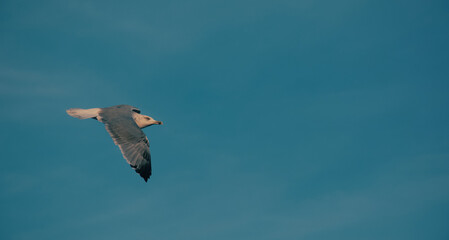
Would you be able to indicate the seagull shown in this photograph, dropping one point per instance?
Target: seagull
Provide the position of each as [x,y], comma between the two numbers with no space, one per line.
[124,124]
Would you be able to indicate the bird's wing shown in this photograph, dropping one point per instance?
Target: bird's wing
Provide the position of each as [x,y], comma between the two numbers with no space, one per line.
[132,142]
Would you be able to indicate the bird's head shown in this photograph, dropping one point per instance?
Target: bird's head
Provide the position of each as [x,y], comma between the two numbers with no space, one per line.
[144,121]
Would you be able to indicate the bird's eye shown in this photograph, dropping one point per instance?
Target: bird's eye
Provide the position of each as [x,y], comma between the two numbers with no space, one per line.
[147,118]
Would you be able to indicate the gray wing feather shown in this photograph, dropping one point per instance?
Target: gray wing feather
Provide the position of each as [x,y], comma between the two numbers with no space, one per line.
[131,140]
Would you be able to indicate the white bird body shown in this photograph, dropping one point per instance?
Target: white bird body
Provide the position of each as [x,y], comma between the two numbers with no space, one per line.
[124,124]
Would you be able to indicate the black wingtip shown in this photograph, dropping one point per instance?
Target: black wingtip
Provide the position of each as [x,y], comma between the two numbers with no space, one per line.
[145,172]
[145,175]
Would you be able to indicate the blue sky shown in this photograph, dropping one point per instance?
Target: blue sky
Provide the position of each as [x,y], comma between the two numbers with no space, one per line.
[282,119]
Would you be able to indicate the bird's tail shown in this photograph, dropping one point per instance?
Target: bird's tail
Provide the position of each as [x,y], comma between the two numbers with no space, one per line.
[83,113]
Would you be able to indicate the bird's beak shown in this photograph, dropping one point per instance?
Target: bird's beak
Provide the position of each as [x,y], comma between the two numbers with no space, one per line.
[154,122]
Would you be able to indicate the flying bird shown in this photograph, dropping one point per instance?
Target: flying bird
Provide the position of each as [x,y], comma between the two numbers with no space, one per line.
[124,124]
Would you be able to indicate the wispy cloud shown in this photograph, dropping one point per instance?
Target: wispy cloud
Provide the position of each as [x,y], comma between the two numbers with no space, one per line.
[47,92]
[395,193]
[29,83]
